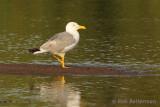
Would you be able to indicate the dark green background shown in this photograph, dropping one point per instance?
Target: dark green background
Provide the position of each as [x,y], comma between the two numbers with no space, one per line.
[120,33]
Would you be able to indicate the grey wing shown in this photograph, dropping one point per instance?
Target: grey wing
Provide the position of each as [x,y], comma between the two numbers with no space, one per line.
[58,42]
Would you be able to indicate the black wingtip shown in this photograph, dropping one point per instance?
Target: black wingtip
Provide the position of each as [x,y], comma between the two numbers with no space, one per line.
[33,50]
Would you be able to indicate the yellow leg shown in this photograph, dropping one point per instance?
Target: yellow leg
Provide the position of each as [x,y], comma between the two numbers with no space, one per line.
[62,62]
[57,57]
[60,58]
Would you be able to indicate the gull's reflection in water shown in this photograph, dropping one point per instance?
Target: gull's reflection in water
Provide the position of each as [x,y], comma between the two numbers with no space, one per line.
[60,93]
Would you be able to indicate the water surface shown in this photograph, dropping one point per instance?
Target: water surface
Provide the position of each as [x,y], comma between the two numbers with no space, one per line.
[120,33]
[33,91]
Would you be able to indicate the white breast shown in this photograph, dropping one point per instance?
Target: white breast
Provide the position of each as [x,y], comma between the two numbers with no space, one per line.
[76,37]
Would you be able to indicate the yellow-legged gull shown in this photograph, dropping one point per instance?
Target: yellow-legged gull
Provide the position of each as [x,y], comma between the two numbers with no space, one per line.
[61,43]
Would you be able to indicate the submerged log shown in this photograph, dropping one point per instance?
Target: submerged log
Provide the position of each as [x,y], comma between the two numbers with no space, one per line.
[35,69]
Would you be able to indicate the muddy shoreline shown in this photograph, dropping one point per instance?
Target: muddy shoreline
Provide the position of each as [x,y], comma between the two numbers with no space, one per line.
[35,69]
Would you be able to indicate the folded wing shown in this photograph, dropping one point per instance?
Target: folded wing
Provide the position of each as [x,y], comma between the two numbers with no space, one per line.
[58,42]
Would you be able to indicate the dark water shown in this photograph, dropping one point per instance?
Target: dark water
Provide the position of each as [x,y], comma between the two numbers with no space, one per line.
[30,91]
[120,33]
